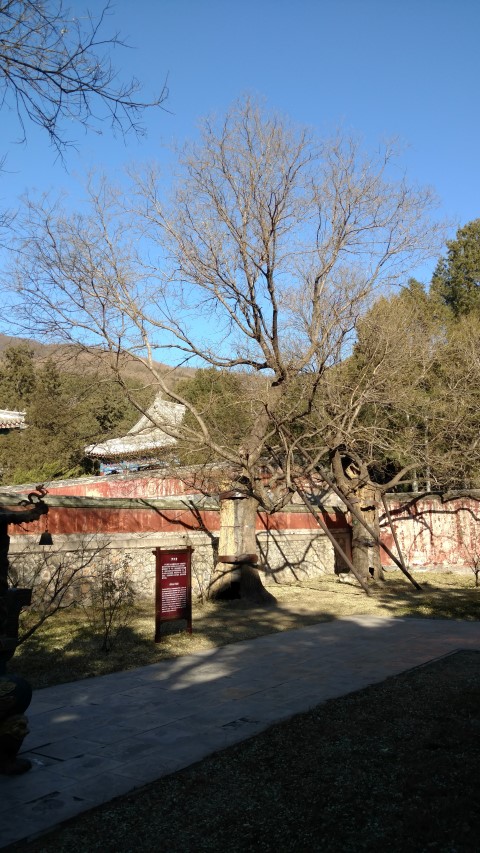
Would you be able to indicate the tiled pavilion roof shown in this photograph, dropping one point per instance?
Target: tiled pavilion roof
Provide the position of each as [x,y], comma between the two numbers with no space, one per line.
[145,438]
[12,420]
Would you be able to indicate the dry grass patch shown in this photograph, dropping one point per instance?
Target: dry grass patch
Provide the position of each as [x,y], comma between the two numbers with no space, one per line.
[67,650]
[443,596]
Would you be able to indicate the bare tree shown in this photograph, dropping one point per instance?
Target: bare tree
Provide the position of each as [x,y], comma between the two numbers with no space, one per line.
[59,579]
[55,66]
[270,248]
[365,432]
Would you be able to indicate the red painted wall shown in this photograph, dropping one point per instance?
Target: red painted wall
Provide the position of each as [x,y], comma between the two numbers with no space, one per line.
[434,533]
[123,486]
[66,520]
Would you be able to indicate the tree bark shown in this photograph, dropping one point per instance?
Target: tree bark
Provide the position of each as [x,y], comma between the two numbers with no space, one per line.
[236,574]
[365,551]
[352,479]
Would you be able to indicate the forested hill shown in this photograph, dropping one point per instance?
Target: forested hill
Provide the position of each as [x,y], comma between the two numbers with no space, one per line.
[70,398]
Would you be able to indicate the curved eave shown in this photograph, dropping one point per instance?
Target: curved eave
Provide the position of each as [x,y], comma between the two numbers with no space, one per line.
[113,452]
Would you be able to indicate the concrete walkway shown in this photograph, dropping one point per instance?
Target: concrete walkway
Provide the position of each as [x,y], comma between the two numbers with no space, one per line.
[96,739]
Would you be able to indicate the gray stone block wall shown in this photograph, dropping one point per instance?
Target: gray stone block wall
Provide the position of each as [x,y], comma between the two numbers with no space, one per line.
[295,555]
[286,556]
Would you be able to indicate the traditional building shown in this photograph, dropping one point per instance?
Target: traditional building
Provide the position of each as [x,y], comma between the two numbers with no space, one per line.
[145,444]
[11,420]
[131,514]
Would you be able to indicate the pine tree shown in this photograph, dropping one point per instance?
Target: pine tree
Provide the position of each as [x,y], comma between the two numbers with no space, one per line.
[456,280]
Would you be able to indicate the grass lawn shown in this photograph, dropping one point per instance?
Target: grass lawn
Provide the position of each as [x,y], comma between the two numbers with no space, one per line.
[65,649]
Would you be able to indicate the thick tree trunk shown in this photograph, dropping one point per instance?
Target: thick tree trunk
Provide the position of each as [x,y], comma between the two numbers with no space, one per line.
[360,549]
[236,574]
[365,551]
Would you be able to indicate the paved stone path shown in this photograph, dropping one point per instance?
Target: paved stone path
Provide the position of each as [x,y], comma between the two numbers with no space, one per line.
[96,739]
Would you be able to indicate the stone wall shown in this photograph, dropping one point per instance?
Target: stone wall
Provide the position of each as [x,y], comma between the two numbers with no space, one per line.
[27,557]
[287,556]
[290,555]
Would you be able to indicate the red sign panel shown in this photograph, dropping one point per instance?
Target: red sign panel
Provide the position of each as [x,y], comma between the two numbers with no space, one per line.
[173,588]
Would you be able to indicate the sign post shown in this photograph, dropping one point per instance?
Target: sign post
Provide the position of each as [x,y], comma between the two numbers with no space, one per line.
[173,588]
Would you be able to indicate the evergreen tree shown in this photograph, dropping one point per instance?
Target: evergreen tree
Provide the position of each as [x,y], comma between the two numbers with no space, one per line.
[64,413]
[226,404]
[456,280]
[17,377]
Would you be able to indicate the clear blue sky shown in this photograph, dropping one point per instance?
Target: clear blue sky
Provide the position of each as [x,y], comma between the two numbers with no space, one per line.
[383,68]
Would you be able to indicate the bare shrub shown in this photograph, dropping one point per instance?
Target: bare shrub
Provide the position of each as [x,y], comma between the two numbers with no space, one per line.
[109,606]
[475,566]
[57,579]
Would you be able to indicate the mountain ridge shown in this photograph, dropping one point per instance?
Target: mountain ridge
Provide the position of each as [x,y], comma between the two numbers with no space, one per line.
[77,359]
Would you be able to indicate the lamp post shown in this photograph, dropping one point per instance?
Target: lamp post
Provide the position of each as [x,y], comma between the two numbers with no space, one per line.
[15,692]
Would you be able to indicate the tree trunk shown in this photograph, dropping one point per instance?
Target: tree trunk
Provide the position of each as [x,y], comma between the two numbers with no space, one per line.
[365,551]
[236,574]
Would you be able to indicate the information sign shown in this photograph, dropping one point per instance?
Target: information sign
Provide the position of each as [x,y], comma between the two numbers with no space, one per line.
[173,588]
